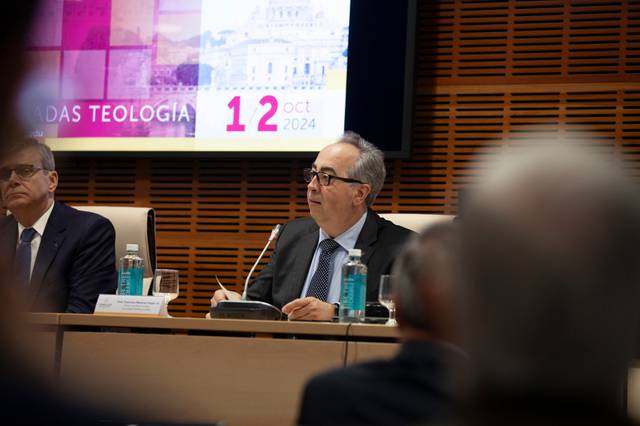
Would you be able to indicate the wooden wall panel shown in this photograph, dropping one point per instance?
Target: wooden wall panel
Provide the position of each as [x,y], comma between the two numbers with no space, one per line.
[486,73]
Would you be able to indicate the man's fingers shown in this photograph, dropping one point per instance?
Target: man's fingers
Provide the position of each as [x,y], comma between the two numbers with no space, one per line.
[302,313]
[314,310]
[219,295]
[296,304]
[317,310]
[232,295]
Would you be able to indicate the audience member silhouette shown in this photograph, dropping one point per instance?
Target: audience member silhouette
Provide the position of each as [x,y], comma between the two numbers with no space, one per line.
[415,385]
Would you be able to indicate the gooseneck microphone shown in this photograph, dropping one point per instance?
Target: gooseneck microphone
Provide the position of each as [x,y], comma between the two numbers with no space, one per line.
[249,309]
[274,234]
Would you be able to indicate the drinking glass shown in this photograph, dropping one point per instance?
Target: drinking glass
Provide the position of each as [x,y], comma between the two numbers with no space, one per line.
[165,283]
[385,297]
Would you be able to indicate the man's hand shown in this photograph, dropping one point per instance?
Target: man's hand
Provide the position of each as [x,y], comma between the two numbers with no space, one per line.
[310,309]
[219,295]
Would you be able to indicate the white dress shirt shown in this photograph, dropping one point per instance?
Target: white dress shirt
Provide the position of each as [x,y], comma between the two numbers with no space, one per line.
[347,240]
[39,227]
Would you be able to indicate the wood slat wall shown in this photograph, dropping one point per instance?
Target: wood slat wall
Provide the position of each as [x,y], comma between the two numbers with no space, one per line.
[486,71]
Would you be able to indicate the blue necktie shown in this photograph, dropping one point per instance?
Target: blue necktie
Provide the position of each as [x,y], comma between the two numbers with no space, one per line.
[23,257]
[321,279]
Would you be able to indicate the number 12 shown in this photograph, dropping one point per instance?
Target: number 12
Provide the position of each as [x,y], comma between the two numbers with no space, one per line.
[263,125]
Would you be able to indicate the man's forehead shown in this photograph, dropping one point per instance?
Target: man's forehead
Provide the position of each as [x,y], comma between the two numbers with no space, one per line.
[24,156]
[336,156]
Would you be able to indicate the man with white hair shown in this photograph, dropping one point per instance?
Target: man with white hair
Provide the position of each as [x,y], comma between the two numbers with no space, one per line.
[303,275]
[551,287]
[60,258]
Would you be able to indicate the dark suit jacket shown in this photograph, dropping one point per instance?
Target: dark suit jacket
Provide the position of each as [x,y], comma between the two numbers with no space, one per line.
[538,408]
[282,279]
[75,261]
[413,386]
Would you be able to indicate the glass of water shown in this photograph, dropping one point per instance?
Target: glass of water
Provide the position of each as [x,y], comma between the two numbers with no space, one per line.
[385,297]
[165,283]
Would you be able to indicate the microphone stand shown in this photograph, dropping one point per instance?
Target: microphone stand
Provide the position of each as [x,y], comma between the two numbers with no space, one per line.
[274,234]
[249,309]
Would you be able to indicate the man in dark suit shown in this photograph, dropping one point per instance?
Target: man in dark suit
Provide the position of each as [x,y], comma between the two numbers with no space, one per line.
[303,276]
[297,244]
[415,385]
[61,259]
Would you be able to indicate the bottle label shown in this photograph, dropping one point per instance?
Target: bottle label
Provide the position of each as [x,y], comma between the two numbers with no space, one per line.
[354,292]
[123,283]
[130,282]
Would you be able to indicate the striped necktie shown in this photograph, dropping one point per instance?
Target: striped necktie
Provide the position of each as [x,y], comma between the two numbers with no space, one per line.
[321,280]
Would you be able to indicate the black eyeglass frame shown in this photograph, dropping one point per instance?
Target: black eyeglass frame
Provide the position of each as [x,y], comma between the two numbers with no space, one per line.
[308,175]
[5,172]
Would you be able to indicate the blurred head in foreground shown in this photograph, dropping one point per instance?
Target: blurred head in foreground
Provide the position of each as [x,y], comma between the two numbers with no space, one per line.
[550,247]
[424,275]
[23,385]
[16,20]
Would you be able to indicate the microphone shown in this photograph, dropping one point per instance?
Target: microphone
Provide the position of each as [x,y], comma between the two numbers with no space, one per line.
[249,309]
[274,234]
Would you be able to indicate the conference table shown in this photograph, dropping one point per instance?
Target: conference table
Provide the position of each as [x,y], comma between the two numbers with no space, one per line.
[241,372]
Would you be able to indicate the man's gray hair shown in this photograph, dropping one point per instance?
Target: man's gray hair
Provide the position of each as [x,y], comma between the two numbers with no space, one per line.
[427,259]
[44,152]
[369,167]
[549,246]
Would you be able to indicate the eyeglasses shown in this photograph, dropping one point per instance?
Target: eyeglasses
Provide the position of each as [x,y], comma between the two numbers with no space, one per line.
[23,171]
[324,179]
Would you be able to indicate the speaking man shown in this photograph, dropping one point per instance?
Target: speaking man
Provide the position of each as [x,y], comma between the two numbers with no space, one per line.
[60,259]
[303,275]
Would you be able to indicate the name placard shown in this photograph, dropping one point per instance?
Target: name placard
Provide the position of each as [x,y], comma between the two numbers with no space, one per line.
[113,304]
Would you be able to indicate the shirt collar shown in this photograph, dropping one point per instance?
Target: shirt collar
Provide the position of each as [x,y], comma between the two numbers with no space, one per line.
[348,238]
[40,224]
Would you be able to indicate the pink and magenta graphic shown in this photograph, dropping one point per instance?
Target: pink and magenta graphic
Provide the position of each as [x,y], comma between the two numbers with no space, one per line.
[121,67]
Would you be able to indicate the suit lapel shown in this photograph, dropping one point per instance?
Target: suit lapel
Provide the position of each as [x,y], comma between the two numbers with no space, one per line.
[305,248]
[54,234]
[368,236]
[8,243]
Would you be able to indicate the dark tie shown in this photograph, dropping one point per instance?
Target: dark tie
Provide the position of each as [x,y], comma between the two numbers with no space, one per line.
[23,256]
[321,280]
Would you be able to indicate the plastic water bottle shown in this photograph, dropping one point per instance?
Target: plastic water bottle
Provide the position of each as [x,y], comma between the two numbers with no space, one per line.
[131,272]
[353,289]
